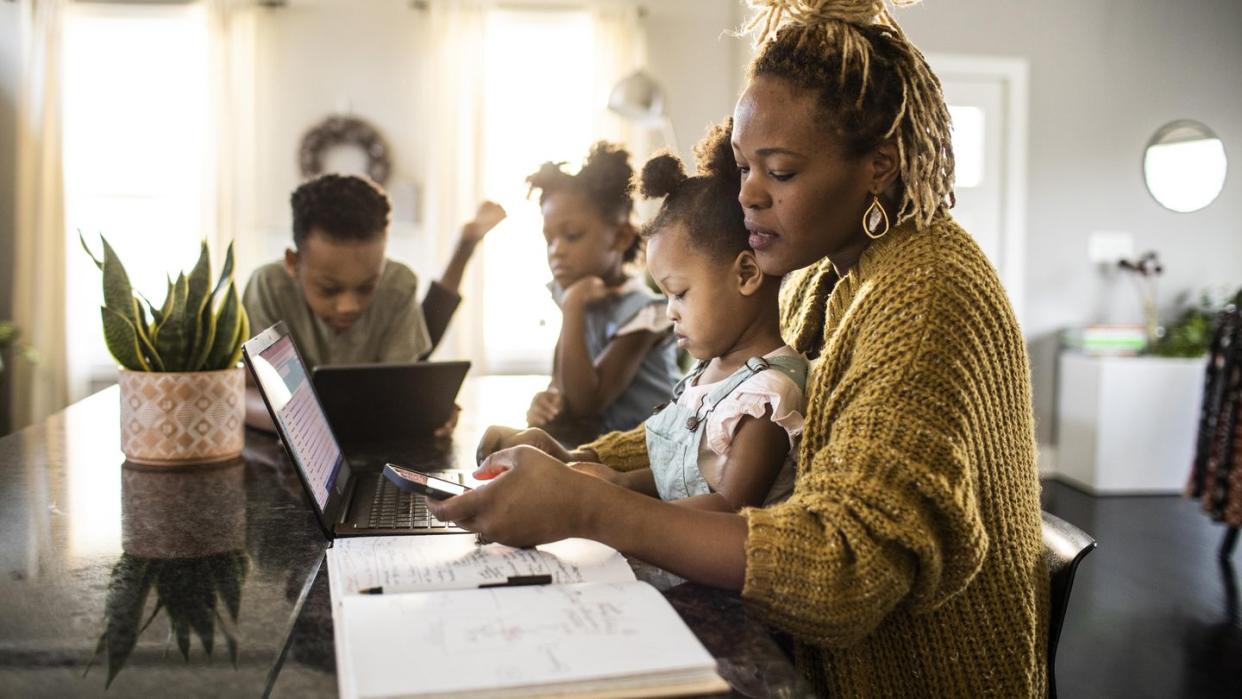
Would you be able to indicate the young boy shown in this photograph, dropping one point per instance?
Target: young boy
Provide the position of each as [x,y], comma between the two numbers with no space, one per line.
[343,301]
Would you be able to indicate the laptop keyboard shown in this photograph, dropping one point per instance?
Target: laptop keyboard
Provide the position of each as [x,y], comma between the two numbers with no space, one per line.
[393,508]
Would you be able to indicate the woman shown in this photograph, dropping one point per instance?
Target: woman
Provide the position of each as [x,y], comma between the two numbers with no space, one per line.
[907,562]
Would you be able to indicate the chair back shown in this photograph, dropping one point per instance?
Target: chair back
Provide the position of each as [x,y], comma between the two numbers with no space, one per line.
[1064,548]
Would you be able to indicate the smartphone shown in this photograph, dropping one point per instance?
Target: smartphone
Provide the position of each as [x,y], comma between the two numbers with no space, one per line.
[422,483]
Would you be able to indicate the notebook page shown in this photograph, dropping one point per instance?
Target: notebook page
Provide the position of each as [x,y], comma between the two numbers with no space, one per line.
[454,561]
[479,640]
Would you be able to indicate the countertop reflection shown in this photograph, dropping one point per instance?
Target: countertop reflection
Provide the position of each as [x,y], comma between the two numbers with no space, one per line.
[143,581]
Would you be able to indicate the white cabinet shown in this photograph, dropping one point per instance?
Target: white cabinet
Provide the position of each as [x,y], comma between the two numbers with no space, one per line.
[1127,424]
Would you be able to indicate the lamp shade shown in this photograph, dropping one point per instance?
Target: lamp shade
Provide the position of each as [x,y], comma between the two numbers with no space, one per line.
[639,98]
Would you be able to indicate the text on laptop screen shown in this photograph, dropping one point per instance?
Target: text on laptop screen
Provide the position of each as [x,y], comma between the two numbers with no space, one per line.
[283,379]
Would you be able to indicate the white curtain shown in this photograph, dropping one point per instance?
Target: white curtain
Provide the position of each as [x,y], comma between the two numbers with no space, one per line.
[620,49]
[231,130]
[454,99]
[39,248]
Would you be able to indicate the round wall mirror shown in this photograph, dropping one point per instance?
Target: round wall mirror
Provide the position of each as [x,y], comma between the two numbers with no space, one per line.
[1184,166]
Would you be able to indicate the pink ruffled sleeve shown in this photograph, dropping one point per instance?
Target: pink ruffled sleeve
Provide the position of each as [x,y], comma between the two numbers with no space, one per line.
[767,388]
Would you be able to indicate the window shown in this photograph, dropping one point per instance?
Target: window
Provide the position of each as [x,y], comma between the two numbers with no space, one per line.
[135,160]
[532,113]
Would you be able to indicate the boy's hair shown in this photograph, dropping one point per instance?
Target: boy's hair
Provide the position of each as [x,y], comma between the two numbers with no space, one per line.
[707,203]
[604,180]
[345,207]
[872,84]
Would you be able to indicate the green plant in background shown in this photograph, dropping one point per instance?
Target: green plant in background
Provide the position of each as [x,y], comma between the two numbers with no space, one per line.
[190,590]
[196,328]
[1191,334]
[9,336]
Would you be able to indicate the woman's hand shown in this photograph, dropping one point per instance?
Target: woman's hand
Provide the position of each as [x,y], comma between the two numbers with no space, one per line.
[532,498]
[498,437]
[544,407]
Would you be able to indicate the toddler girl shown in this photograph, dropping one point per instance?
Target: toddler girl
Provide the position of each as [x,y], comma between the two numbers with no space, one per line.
[727,439]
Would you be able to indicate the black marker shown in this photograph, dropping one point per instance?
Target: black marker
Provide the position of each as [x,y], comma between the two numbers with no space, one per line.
[512,581]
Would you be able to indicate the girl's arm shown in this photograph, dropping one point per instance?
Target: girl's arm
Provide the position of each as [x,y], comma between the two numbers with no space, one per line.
[639,480]
[756,455]
[589,386]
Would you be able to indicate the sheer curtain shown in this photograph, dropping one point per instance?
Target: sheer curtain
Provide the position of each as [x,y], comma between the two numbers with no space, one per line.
[231,130]
[620,48]
[39,248]
[454,97]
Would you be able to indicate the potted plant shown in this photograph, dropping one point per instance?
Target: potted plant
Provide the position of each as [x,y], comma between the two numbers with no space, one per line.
[182,389]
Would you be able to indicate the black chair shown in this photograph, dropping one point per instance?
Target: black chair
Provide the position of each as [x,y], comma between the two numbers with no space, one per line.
[1064,548]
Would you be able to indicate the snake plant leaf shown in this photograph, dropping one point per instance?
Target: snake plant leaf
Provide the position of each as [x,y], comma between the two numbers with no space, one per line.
[118,292]
[169,297]
[122,340]
[98,262]
[206,341]
[242,336]
[145,345]
[228,331]
[156,314]
[196,296]
[226,272]
[172,338]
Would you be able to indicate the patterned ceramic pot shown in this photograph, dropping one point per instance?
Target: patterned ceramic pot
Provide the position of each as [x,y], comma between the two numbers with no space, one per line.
[172,418]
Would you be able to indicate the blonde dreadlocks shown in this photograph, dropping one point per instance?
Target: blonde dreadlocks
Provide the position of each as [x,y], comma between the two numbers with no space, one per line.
[872,80]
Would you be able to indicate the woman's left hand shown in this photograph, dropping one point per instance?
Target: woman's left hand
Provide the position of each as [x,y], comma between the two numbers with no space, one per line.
[531,499]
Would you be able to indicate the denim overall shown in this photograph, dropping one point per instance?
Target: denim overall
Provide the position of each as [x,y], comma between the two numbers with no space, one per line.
[675,432]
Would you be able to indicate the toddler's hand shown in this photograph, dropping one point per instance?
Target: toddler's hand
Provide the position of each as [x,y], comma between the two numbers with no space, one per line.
[544,407]
[485,219]
[498,437]
[595,469]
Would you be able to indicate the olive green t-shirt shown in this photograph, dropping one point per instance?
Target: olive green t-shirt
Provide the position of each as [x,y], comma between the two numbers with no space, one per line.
[391,330]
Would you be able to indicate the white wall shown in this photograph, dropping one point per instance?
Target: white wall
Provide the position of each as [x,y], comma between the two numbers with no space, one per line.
[1103,77]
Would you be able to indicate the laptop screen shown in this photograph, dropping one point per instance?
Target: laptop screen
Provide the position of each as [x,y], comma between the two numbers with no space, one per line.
[283,379]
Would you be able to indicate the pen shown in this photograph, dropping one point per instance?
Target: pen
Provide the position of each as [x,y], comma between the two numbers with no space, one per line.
[511,581]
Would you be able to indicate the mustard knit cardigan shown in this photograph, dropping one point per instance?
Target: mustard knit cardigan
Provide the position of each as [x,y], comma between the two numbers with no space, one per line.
[908,561]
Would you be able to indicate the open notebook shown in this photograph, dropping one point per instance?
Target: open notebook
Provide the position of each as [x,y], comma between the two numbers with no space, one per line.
[595,631]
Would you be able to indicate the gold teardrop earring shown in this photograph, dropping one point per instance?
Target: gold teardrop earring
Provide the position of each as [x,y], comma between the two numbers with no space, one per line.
[873,217]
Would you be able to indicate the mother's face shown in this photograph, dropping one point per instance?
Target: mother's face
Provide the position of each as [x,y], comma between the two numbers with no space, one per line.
[803,197]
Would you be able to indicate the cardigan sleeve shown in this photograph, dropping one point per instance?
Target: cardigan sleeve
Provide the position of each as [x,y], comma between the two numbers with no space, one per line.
[623,451]
[884,513]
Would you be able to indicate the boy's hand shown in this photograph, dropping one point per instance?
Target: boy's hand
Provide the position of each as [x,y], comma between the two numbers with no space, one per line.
[485,219]
[585,291]
[544,407]
[445,431]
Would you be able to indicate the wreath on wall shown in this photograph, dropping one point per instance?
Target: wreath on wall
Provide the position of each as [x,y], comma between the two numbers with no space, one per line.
[345,131]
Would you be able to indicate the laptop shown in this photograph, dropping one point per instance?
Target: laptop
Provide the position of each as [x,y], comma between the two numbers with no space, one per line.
[348,501]
[384,412]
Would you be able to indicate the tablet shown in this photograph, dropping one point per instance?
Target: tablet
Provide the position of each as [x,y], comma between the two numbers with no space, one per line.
[367,403]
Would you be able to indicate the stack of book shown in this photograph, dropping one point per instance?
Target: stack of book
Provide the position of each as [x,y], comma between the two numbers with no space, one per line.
[1106,340]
